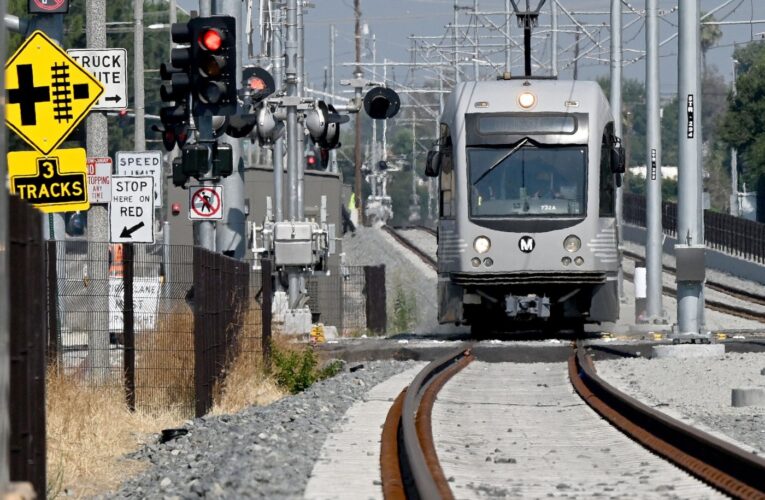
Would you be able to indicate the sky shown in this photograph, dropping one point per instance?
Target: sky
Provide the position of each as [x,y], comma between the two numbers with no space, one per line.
[393,21]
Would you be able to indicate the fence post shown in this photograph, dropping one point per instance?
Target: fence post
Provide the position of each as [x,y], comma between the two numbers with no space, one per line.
[200,366]
[52,288]
[267,293]
[28,317]
[374,277]
[128,259]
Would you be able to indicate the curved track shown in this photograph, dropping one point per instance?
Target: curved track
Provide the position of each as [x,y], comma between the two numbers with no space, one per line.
[411,469]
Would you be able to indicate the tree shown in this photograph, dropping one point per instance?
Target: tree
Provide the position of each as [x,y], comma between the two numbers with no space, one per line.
[743,125]
[633,117]
[710,35]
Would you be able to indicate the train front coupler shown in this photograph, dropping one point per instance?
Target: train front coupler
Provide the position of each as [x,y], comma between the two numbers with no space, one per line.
[527,305]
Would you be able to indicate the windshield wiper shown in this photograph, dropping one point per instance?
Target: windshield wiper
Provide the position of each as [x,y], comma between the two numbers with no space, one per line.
[505,157]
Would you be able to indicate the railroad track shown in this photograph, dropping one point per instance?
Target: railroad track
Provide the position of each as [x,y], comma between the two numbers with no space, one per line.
[424,256]
[410,466]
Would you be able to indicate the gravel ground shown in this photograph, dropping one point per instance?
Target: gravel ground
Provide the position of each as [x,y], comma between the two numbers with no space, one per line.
[696,390]
[261,452]
[404,272]
[422,239]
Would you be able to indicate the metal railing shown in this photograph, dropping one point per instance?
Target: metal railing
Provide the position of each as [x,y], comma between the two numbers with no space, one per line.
[733,235]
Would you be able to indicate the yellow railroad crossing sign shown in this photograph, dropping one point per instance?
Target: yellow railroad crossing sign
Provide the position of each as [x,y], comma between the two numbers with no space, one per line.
[54,183]
[48,93]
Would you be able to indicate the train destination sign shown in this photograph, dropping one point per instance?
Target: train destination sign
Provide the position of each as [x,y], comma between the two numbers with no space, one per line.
[48,93]
[131,212]
[109,66]
[55,183]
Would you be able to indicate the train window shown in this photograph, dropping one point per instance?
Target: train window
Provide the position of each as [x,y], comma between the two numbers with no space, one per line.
[607,186]
[526,180]
[525,124]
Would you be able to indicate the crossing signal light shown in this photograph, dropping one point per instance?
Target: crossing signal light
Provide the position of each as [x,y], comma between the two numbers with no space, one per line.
[311,161]
[381,103]
[323,124]
[213,65]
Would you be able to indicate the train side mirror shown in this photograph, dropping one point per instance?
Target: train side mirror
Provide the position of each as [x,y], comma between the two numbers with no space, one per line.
[433,163]
[617,157]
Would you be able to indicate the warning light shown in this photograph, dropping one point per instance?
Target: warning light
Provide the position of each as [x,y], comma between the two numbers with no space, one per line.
[176,208]
[311,160]
[257,84]
[211,40]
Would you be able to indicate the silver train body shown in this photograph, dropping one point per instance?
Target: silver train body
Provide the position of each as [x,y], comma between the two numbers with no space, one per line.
[527,177]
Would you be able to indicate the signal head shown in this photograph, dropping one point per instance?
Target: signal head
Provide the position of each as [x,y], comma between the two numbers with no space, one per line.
[381,103]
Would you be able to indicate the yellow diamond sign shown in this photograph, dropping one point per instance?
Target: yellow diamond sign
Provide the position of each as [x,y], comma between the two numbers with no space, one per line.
[47,94]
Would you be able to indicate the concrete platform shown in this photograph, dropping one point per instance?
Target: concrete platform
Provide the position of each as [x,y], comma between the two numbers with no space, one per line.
[349,464]
[687,351]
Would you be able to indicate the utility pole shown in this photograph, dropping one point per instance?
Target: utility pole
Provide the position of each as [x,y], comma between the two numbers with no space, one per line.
[98,224]
[277,57]
[138,80]
[358,73]
[204,230]
[373,159]
[476,68]
[508,16]
[230,231]
[301,130]
[616,109]
[455,42]
[576,53]
[292,78]
[332,38]
[690,222]
[554,38]
[734,200]
[653,247]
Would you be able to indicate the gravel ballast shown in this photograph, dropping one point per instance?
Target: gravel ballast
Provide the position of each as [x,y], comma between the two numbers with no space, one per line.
[261,452]
[696,390]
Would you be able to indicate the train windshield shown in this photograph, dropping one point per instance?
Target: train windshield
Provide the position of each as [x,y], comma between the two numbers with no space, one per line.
[526,180]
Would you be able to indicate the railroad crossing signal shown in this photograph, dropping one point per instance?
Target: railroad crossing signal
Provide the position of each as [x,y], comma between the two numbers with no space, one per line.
[55,183]
[48,93]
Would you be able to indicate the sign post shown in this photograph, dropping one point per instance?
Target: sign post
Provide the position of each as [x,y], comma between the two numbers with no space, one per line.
[131,212]
[109,66]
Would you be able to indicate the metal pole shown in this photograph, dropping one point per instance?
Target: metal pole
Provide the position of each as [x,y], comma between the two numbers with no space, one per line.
[455,43]
[205,8]
[4,309]
[653,247]
[300,130]
[476,69]
[734,200]
[292,136]
[204,231]
[332,37]
[358,73]
[616,109]
[508,16]
[373,162]
[690,222]
[277,57]
[138,80]
[98,224]
[554,37]
[230,231]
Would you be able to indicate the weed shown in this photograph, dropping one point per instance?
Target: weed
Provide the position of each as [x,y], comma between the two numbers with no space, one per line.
[404,310]
[296,369]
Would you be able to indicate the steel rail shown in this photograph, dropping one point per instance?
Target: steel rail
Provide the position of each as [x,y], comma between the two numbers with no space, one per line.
[714,285]
[408,460]
[733,471]
[424,256]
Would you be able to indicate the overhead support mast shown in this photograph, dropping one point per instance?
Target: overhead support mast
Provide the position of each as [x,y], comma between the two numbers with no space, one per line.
[616,109]
[690,221]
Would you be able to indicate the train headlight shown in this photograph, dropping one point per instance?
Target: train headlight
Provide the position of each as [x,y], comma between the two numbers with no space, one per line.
[566,261]
[572,243]
[475,262]
[488,262]
[527,100]
[579,261]
[482,244]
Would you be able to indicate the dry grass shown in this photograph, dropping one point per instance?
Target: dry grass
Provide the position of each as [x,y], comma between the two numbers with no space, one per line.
[89,432]
[246,382]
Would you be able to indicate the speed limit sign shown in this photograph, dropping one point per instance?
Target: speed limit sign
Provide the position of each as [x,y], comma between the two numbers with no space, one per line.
[48,6]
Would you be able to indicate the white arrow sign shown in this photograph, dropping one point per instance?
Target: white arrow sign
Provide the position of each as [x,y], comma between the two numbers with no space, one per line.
[109,66]
[131,212]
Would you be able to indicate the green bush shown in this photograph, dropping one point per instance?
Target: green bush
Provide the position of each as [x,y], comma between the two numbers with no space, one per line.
[404,310]
[297,369]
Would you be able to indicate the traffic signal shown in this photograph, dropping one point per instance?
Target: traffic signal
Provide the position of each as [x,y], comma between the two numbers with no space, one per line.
[311,162]
[381,103]
[213,65]
[175,90]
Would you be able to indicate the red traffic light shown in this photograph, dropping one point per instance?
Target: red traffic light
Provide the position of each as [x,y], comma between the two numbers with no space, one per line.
[311,160]
[211,39]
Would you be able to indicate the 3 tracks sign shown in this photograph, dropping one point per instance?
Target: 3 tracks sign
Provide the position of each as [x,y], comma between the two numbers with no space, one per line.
[55,183]
[48,93]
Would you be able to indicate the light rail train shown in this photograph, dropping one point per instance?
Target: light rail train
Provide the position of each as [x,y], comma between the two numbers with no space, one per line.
[527,172]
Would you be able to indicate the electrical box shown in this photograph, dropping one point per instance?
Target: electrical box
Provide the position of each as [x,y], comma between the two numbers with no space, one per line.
[293,244]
